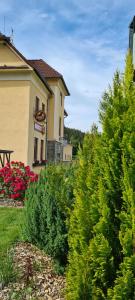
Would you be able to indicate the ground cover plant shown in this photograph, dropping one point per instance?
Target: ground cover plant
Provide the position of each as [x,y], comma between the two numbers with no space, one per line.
[14,180]
[11,222]
[102,225]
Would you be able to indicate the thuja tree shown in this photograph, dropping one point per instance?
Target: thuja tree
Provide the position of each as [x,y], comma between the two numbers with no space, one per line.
[98,198]
[83,218]
[103,250]
[124,286]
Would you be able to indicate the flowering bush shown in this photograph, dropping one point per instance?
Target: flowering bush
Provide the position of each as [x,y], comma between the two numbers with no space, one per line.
[14,180]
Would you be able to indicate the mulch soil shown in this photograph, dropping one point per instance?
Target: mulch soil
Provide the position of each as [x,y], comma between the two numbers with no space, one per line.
[36,279]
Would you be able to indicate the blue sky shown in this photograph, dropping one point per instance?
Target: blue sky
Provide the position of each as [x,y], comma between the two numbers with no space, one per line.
[85,40]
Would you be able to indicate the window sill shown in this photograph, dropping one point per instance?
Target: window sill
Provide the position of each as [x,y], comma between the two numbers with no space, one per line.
[38,164]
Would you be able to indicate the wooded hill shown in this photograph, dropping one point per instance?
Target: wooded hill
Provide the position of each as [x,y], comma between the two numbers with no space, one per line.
[75,137]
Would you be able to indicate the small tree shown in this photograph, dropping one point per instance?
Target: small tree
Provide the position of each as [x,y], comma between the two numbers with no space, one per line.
[47,210]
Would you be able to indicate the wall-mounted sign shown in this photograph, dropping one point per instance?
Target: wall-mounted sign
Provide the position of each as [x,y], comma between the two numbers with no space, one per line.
[40,116]
[40,128]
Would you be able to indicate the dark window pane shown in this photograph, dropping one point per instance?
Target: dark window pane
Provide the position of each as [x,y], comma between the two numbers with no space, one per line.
[41,150]
[37,104]
[60,126]
[35,148]
[43,107]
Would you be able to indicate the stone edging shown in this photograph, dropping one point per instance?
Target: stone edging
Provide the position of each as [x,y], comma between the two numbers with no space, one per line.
[11,203]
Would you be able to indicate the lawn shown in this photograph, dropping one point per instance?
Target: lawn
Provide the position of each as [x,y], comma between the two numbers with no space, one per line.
[11,220]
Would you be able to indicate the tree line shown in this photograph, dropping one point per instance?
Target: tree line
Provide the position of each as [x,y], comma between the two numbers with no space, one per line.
[75,137]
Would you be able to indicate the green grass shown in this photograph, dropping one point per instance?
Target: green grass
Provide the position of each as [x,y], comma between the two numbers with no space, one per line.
[11,220]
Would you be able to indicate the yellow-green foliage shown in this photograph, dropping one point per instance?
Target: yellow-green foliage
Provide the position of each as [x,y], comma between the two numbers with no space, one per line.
[83,218]
[102,225]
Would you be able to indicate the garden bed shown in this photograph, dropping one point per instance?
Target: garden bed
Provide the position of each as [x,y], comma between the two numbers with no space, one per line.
[35,276]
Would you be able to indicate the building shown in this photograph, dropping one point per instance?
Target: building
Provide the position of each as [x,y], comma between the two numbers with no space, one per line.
[67,152]
[32,110]
[132,39]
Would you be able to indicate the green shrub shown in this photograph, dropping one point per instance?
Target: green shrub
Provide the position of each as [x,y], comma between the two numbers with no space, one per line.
[47,207]
[7,270]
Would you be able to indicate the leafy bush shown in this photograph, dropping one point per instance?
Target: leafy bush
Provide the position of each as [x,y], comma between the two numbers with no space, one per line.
[47,208]
[14,180]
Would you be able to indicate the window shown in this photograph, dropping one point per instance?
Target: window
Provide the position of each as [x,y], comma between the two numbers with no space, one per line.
[43,107]
[37,104]
[35,149]
[61,98]
[60,126]
[41,150]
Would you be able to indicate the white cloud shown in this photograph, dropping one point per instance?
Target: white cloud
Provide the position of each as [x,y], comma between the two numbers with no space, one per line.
[83,39]
[33,18]
[87,67]
[85,76]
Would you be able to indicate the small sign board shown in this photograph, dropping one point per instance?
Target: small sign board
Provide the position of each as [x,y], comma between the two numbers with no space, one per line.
[40,128]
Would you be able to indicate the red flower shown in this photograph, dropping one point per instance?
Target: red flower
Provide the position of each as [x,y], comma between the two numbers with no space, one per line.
[15,178]
[2,192]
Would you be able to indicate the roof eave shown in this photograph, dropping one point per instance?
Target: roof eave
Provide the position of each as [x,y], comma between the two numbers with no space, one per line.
[65,113]
[68,93]
[63,81]
[44,82]
[7,40]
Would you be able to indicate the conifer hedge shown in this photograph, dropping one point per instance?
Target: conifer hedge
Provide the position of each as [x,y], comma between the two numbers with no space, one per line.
[102,225]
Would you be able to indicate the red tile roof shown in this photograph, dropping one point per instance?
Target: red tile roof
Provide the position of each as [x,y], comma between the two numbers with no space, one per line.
[41,68]
[46,71]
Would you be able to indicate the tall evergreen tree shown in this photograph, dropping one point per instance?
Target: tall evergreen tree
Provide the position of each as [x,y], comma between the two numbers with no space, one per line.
[105,260]
[124,287]
[102,249]
[83,218]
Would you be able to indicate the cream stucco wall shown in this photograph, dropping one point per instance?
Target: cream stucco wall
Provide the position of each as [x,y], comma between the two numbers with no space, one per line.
[18,92]
[67,152]
[9,57]
[50,118]
[56,111]
[17,108]
[14,116]
[36,90]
